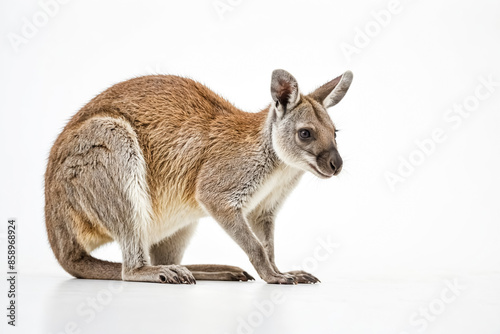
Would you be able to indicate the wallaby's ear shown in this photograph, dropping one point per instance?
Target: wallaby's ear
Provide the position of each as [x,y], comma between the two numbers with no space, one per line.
[332,92]
[284,90]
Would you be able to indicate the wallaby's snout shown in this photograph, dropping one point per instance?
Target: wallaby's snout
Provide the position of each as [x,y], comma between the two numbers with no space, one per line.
[329,162]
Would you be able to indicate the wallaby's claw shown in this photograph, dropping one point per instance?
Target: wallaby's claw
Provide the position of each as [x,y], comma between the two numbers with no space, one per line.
[282,279]
[303,277]
[248,276]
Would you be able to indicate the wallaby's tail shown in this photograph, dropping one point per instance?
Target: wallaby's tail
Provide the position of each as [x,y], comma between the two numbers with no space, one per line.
[71,254]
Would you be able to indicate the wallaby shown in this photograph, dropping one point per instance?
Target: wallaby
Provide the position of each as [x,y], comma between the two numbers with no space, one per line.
[143,161]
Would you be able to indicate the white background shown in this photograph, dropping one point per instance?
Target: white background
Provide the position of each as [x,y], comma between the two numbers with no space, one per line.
[442,220]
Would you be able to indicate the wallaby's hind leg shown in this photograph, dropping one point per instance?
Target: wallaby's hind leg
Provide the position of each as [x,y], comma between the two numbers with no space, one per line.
[171,249]
[101,168]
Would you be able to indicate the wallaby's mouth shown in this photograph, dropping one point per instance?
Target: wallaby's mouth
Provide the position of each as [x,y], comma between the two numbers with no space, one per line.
[320,173]
[327,164]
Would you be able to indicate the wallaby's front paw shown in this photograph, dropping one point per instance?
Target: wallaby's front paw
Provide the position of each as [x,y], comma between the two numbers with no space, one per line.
[281,279]
[303,277]
[173,274]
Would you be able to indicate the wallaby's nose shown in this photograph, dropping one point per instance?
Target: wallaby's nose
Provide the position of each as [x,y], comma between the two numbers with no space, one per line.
[335,162]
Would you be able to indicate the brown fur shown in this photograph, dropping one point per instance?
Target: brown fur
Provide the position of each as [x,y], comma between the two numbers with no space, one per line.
[198,155]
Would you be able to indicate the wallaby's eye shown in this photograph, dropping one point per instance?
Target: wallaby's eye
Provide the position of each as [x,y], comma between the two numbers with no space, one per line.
[304,134]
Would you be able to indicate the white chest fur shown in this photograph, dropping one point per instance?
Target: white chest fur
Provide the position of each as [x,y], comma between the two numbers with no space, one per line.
[273,188]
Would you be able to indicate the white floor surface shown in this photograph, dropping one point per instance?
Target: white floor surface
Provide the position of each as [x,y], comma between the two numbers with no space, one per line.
[432,304]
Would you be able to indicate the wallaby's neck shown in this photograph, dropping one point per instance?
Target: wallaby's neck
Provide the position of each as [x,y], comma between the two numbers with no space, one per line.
[267,134]
[271,161]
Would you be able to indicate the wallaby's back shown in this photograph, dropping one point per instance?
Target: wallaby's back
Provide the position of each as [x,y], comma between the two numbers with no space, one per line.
[159,129]
[178,121]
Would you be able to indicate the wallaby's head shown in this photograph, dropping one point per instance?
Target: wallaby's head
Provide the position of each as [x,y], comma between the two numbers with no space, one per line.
[303,135]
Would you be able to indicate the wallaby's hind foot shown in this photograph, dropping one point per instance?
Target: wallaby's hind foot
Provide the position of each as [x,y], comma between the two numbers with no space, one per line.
[173,274]
[216,272]
[171,249]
